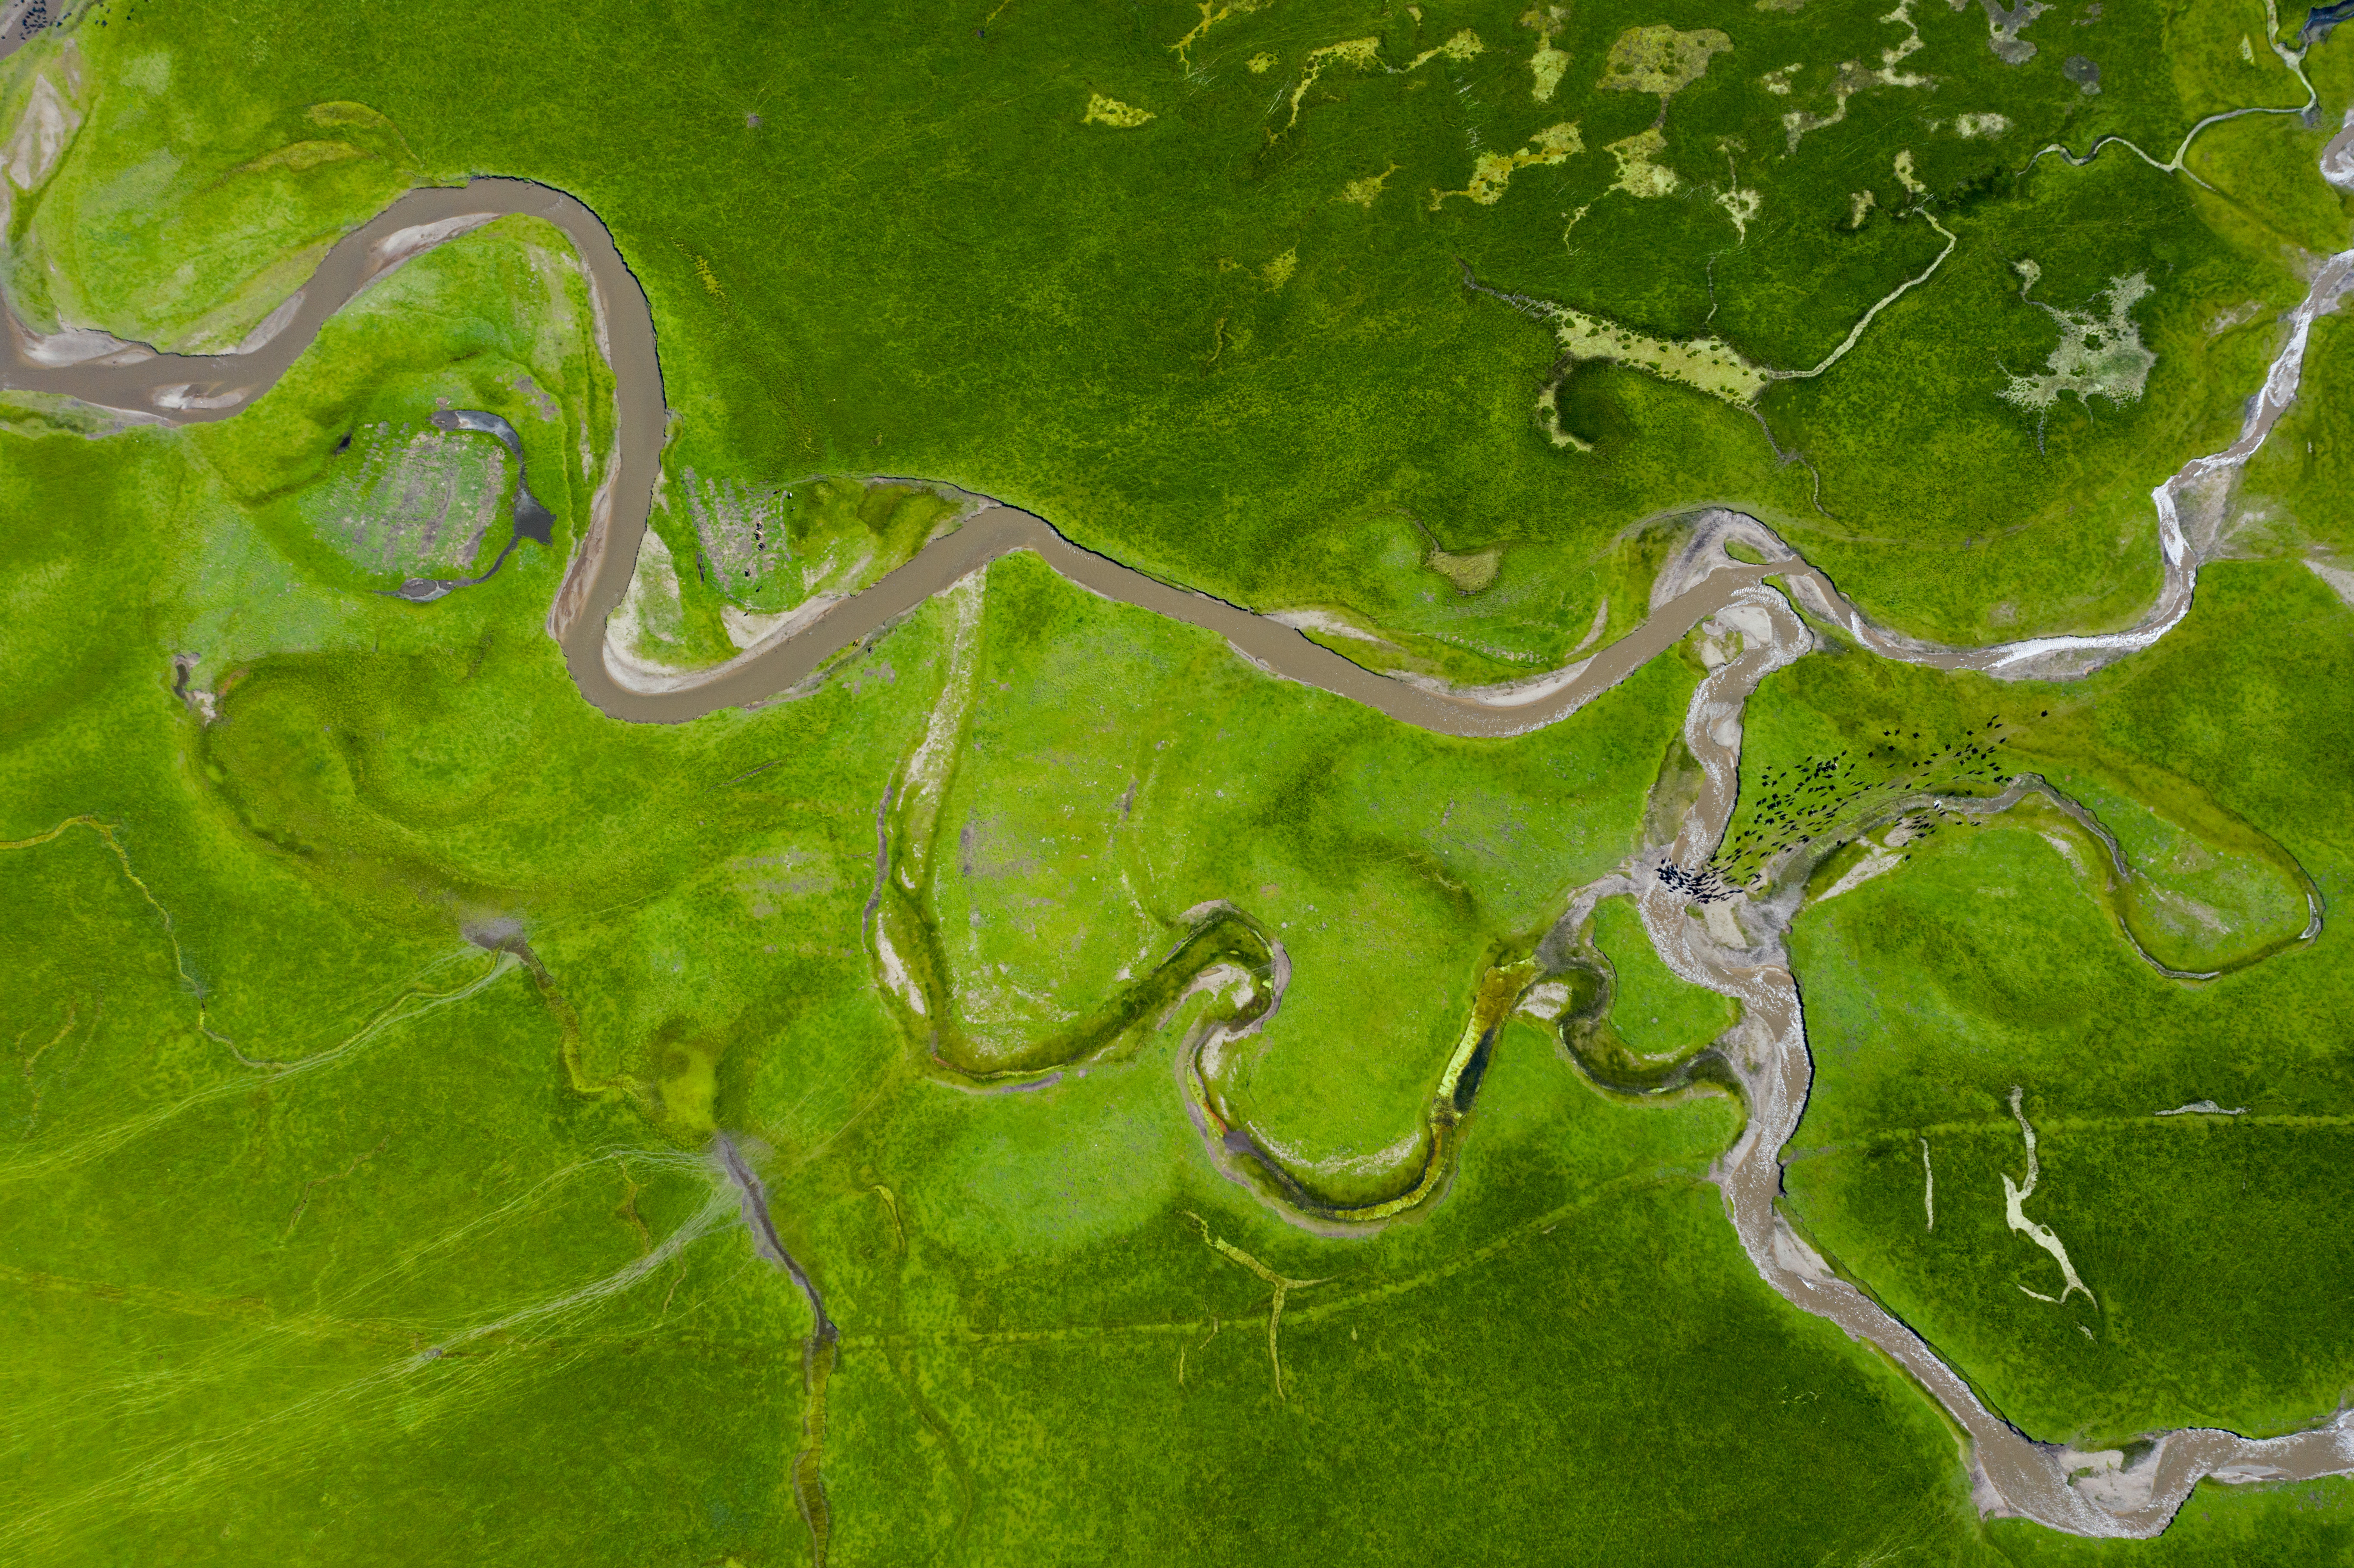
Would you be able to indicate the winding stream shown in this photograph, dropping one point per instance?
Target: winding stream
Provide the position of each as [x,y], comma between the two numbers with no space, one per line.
[2084,1494]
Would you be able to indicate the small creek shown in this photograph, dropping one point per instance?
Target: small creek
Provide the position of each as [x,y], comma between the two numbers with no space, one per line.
[2082,1494]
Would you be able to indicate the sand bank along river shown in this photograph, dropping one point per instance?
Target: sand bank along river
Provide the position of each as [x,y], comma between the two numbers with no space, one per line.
[1739,951]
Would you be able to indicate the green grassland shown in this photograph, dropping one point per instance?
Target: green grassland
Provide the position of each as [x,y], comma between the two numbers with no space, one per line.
[1659,1017]
[1262,387]
[2192,905]
[856,531]
[2288,500]
[757,552]
[313,1135]
[1116,773]
[496,319]
[437,1152]
[256,1254]
[368,1039]
[2209,1243]
[230,203]
[1061,1368]
[2312,1522]
[1990,961]
[1017,1275]
[1913,419]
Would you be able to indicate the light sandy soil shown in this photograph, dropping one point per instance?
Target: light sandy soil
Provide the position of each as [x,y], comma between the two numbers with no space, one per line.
[49,123]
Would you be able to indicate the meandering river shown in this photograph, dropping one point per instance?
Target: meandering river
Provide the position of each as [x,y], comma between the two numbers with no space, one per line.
[2084,1494]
